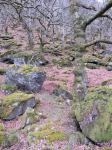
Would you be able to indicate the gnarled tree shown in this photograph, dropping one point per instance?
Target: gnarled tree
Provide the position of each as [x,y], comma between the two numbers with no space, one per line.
[80,25]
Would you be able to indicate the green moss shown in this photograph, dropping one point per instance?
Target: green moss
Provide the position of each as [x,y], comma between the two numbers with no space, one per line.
[34,128]
[50,134]
[107,148]
[26,69]
[2,71]
[80,137]
[9,88]
[10,102]
[60,99]
[2,128]
[12,131]
[60,107]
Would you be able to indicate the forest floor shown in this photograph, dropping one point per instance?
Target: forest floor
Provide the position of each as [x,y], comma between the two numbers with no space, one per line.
[58,116]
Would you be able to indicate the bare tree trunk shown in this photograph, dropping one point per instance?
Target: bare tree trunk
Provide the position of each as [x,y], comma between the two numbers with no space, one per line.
[30,39]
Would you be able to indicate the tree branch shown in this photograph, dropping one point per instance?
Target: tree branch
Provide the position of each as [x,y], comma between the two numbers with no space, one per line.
[98,41]
[84,6]
[107,16]
[101,12]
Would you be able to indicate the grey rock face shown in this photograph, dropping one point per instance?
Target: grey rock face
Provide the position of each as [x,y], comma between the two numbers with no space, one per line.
[26,79]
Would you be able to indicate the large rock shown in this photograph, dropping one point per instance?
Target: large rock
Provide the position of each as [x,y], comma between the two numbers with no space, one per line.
[15,104]
[30,116]
[25,77]
[29,58]
[6,139]
[94,114]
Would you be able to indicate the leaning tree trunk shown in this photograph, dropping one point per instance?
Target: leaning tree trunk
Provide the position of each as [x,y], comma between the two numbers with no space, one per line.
[30,39]
[80,80]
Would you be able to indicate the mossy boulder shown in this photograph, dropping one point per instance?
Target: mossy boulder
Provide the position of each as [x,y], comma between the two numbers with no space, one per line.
[25,77]
[109,68]
[6,37]
[63,91]
[7,139]
[93,60]
[107,82]
[94,114]
[50,134]
[29,58]
[91,66]
[9,53]
[9,88]
[98,55]
[62,62]
[30,116]
[2,71]
[15,104]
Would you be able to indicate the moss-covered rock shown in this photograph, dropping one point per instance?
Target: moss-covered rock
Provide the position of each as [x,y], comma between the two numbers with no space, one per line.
[63,91]
[9,88]
[109,68]
[9,53]
[94,114]
[30,116]
[49,134]
[91,59]
[29,58]
[107,82]
[6,37]
[2,71]
[98,55]
[34,128]
[2,128]
[92,66]
[62,63]
[15,104]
